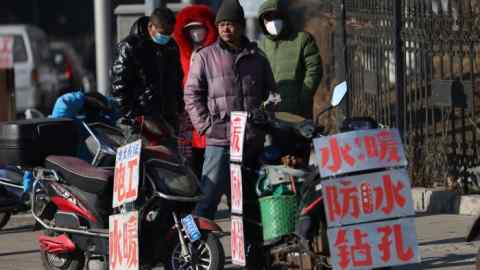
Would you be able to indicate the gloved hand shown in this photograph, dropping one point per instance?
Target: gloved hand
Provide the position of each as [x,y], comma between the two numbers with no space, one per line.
[127,120]
[258,117]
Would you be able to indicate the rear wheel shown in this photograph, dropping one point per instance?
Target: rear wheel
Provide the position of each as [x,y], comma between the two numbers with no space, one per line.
[4,218]
[320,246]
[477,263]
[66,261]
[207,254]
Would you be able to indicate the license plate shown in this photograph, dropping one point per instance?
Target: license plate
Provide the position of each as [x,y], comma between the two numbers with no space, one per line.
[191,228]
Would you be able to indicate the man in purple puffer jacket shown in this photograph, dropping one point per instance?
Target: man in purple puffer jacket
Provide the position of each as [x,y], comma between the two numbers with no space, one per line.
[230,75]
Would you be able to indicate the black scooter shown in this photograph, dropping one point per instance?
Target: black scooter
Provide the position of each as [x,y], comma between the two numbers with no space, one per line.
[12,198]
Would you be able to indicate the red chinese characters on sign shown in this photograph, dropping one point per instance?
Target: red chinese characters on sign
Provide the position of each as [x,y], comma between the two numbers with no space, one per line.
[126,178]
[123,241]
[359,150]
[6,52]
[237,134]
[236,188]
[374,244]
[237,241]
[368,197]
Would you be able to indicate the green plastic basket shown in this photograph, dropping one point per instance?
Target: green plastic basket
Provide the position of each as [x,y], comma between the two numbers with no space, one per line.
[279,215]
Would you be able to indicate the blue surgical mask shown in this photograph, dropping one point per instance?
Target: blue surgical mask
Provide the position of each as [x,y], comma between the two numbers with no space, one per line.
[161,39]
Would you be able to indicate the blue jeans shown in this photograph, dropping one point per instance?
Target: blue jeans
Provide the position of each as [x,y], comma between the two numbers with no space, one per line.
[215,180]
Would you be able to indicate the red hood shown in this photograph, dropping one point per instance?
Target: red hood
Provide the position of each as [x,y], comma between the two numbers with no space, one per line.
[193,13]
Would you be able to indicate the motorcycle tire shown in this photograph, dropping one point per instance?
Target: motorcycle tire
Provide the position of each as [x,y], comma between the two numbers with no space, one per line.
[321,246]
[4,218]
[477,260]
[68,261]
[211,253]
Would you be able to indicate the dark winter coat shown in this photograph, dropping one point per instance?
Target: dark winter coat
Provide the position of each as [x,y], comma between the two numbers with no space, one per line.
[147,78]
[295,61]
[220,82]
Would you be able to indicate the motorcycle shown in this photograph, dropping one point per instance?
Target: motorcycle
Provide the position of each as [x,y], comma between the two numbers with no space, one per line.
[288,168]
[12,198]
[72,201]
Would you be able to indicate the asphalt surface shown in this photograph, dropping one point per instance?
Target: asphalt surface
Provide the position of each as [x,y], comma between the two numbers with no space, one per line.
[441,240]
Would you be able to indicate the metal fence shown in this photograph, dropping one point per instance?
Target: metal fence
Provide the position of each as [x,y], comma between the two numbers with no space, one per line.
[430,80]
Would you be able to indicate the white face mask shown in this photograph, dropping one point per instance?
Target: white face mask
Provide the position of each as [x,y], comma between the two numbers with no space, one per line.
[274,27]
[198,34]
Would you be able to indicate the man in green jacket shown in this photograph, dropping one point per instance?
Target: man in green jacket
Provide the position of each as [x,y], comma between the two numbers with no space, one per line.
[294,58]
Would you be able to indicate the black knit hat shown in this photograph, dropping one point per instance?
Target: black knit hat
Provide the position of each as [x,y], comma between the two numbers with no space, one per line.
[230,10]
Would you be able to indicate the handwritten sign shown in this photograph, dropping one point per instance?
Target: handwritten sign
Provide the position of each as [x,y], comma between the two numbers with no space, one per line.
[237,241]
[359,150]
[236,187]
[238,123]
[6,51]
[374,245]
[127,170]
[368,197]
[123,241]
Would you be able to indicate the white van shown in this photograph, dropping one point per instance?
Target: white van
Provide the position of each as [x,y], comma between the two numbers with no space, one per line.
[36,81]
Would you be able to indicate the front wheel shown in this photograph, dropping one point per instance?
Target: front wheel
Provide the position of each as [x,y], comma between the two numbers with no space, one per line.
[477,261]
[65,261]
[205,254]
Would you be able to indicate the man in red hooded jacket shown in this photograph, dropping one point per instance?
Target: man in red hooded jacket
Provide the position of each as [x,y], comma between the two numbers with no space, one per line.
[195,28]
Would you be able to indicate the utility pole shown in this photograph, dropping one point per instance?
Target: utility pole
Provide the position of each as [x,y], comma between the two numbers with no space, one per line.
[103,43]
[345,56]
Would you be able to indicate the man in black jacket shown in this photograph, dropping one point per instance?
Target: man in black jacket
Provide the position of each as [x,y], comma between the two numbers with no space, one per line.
[146,74]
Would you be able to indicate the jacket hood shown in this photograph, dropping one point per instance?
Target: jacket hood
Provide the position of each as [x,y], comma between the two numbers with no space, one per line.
[140,27]
[193,13]
[274,5]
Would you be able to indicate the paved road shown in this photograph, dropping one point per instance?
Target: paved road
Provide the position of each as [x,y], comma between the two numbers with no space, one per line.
[441,239]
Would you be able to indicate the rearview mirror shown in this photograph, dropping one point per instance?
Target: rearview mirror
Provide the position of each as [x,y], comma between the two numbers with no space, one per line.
[339,93]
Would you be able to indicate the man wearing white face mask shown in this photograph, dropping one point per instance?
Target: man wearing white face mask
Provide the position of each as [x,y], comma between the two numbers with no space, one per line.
[294,58]
[146,73]
[194,28]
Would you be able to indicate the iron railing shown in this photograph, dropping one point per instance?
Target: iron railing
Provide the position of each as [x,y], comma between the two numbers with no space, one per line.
[429,87]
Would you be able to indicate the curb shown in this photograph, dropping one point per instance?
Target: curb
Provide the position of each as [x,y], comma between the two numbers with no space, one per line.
[440,201]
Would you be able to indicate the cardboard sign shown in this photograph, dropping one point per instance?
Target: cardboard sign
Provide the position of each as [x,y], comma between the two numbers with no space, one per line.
[127,171]
[236,188]
[373,245]
[238,123]
[6,52]
[123,241]
[358,151]
[237,241]
[368,197]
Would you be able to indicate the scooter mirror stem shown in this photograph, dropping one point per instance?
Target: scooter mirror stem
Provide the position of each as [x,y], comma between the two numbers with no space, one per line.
[324,111]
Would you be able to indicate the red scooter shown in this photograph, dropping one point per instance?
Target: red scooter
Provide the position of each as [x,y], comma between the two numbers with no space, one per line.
[72,201]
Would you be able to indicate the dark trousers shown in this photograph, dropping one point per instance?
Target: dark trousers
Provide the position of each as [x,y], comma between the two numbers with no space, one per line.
[216,182]
[198,157]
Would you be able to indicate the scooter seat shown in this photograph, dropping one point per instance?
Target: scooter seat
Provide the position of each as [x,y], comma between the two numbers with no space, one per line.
[80,173]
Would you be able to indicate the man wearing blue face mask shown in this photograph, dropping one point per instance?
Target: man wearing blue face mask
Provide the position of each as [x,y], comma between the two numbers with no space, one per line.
[146,73]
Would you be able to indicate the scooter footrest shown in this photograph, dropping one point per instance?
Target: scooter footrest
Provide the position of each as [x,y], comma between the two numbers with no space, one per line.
[56,245]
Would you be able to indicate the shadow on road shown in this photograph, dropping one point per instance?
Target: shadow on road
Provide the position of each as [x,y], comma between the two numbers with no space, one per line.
[450,260]
[444,241]
[20,229]
[19,252]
